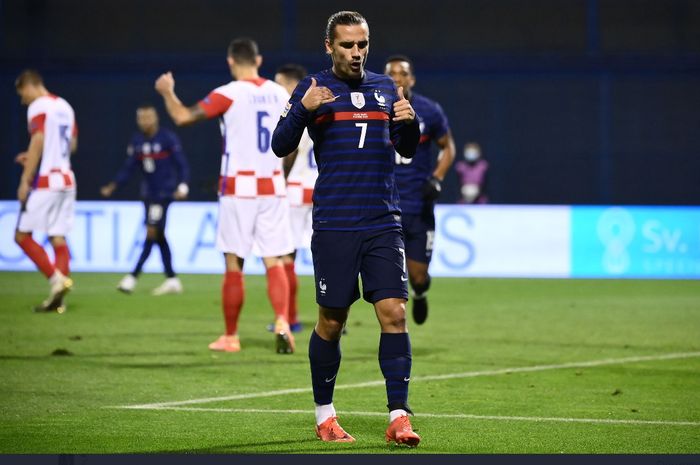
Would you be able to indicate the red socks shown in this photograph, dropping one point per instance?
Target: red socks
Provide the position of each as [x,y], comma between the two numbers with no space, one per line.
[62,258]
[232,292]
[37,254]
[292,279]
[278,291]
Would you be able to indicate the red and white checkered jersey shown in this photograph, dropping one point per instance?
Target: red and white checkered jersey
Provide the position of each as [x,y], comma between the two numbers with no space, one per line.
[54,117]
[302,176]
[248,112]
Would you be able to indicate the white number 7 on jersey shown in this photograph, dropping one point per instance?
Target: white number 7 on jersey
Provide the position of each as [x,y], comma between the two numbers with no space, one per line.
[362,134]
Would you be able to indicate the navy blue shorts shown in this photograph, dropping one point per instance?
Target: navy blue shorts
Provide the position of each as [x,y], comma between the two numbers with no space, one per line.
[156,212]
[419,233]
[376,256]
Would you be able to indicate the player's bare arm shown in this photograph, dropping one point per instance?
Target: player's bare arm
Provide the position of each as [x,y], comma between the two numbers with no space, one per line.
[316,96]
[288,162]
[403,111]
[73,144]
[181,115]
[446,155]
[33,155]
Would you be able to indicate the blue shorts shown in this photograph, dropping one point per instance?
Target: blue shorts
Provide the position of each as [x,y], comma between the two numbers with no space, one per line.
[156,212]
[419,233]
[376,256]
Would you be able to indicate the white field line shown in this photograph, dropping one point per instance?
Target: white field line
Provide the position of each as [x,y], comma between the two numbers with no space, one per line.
[468,374]
[608,421]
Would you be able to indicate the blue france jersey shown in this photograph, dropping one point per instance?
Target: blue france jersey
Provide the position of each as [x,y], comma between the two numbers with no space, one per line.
[160,159]
[354,144]
[412,173]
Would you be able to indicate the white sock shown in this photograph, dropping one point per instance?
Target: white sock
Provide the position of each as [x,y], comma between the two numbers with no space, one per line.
[324,412]
[394,414]
[55,277]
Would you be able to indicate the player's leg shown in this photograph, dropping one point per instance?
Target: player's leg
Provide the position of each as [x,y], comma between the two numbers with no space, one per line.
[172,284]
[35,252]
[234,237]
[290,271]
[129,281]
[419,233]
[278,294]
[272,240]
[336,266]
[384,279]
[41,212]
[61,254]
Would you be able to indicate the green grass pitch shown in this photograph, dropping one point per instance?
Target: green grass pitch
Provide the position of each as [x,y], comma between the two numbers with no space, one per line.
[501,366]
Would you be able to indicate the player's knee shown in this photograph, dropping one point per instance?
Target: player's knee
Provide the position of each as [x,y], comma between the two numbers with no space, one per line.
[153,233]
[57,241]
[393,318]
[421,283]
[329,329]
[20,236]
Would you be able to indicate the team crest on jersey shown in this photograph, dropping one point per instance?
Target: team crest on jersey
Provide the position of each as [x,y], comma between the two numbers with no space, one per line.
[381,100]
[357,99]
[156,147]
[146,148]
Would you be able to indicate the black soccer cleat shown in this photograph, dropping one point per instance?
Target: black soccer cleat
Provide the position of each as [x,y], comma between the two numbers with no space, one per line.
[420,309]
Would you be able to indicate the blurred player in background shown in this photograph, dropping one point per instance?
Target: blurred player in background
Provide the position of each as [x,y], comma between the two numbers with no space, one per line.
[158,154]
[302,173]
[47,187]
[356,120]
[253,208]
[418,180]
[472,174]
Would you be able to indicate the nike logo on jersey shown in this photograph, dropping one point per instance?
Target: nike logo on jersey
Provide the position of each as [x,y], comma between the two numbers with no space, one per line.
[407,379]
[328,380]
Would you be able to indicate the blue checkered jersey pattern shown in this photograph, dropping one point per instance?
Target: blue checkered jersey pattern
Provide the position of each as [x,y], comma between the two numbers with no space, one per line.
[355,141]
[161,160]
[412,173]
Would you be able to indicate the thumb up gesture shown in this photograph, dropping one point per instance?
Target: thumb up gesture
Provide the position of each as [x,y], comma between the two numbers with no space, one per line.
[403,111]
[316,96]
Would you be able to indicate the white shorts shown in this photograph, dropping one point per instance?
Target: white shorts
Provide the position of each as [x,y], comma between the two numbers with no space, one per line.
[301,223]
[48,211]
[260,225]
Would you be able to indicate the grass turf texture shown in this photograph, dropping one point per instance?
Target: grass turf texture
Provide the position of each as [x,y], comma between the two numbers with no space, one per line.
[140,349]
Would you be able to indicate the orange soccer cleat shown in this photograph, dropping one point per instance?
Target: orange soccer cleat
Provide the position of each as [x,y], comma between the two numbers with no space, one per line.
[401,431]
[331,431]
[226,344]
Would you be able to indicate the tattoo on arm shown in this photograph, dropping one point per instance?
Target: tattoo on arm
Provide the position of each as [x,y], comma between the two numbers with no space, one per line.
[196,113]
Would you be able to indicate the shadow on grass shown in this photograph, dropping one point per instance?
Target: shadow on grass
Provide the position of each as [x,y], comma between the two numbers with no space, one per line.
[302,446]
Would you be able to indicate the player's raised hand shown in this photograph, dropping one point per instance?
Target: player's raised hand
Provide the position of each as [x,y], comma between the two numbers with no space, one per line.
[316,96]
[403,111]
[165,83]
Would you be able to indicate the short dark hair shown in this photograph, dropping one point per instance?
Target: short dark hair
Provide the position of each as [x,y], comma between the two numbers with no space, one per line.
[394,58]
[243,50]
[292,71]
[146,106]
[343,18]
[28,76]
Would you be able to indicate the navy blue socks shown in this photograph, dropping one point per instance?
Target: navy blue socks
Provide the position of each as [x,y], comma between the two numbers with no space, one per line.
[395,363]
[325,361]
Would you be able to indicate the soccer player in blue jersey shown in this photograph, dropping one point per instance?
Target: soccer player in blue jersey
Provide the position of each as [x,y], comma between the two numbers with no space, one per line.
[356,119]
[157,152]
[418,180]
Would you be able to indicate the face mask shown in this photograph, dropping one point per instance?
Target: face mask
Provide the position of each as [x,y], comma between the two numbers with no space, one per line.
[471,154]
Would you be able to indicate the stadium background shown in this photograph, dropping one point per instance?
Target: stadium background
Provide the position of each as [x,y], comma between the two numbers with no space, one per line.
[574,102]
